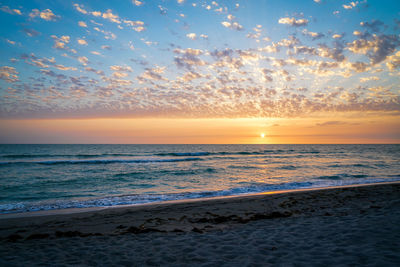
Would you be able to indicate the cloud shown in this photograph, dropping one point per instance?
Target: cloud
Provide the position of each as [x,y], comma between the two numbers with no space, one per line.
[135,25]
[232,25]
[121,68]
[222,54]
[226,24]
[267,74]
[53,74]
[96,23]
[293,21]
[82,42]
[163,10]
[60,42]
[83,60]
[245,79]
[148,43]
[10,11]
[80,9]
[189,51]
[191,75]
[111,17]
[118,74]
[305,50]
[113,84]
[62,67]
[31,32]
[10,42]
[59,45]
[95,53]
[393,61]
[39,63]
[188,61]
[359,66]
[247,56]
[331,123]
[107,34]
[367,79]
[374,25]
[274,48]
[137,2]
[313,35]
[189,58]
[64,38]
[285,75]
[96,13]
[290,42]
[152,74]
[120,71]
[98,72]
[8,74]
[46,14]
[82,24]
[377,48]
[106,15]
[335,53]
[191,36]
[351,5]
[256,34]
[33,60]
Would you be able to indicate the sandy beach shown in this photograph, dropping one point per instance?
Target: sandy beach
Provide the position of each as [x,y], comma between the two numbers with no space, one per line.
[355,225]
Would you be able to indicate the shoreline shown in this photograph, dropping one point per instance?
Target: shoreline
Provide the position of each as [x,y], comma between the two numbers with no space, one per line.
[71,211]
[352,225]
[179,213]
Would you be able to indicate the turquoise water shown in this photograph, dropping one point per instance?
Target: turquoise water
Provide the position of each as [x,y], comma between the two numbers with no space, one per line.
[44,177]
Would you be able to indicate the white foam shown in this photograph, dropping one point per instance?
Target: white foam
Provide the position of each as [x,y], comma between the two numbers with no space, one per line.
[151,198]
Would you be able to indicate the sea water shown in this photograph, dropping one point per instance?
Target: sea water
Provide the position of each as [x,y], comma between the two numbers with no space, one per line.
[46,177]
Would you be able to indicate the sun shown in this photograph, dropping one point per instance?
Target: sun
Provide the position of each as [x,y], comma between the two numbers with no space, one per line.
[262,135]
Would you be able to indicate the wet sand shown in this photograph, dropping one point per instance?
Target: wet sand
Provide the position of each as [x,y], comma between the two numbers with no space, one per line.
[357,225]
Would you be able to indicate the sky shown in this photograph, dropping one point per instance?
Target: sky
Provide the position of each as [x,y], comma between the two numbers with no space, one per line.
[181,71]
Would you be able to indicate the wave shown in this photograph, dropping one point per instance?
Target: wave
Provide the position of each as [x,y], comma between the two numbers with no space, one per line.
[276,152]
[341,176]
[357,165]
[98,161]
[147,175]
[244,167]
[137,199]
[223,153]
[24,156]
[183,154]
[104,155]
[287,167]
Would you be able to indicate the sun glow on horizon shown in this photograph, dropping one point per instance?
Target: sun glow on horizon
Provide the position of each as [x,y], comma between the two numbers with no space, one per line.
[200,131]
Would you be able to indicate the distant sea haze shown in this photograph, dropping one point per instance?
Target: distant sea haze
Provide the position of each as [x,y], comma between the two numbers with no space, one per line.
[47,177]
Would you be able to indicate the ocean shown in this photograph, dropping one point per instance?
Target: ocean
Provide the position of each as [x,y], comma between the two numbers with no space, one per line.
[50,177]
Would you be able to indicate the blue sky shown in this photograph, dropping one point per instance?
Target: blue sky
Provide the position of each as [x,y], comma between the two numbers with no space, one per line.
[198,59]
